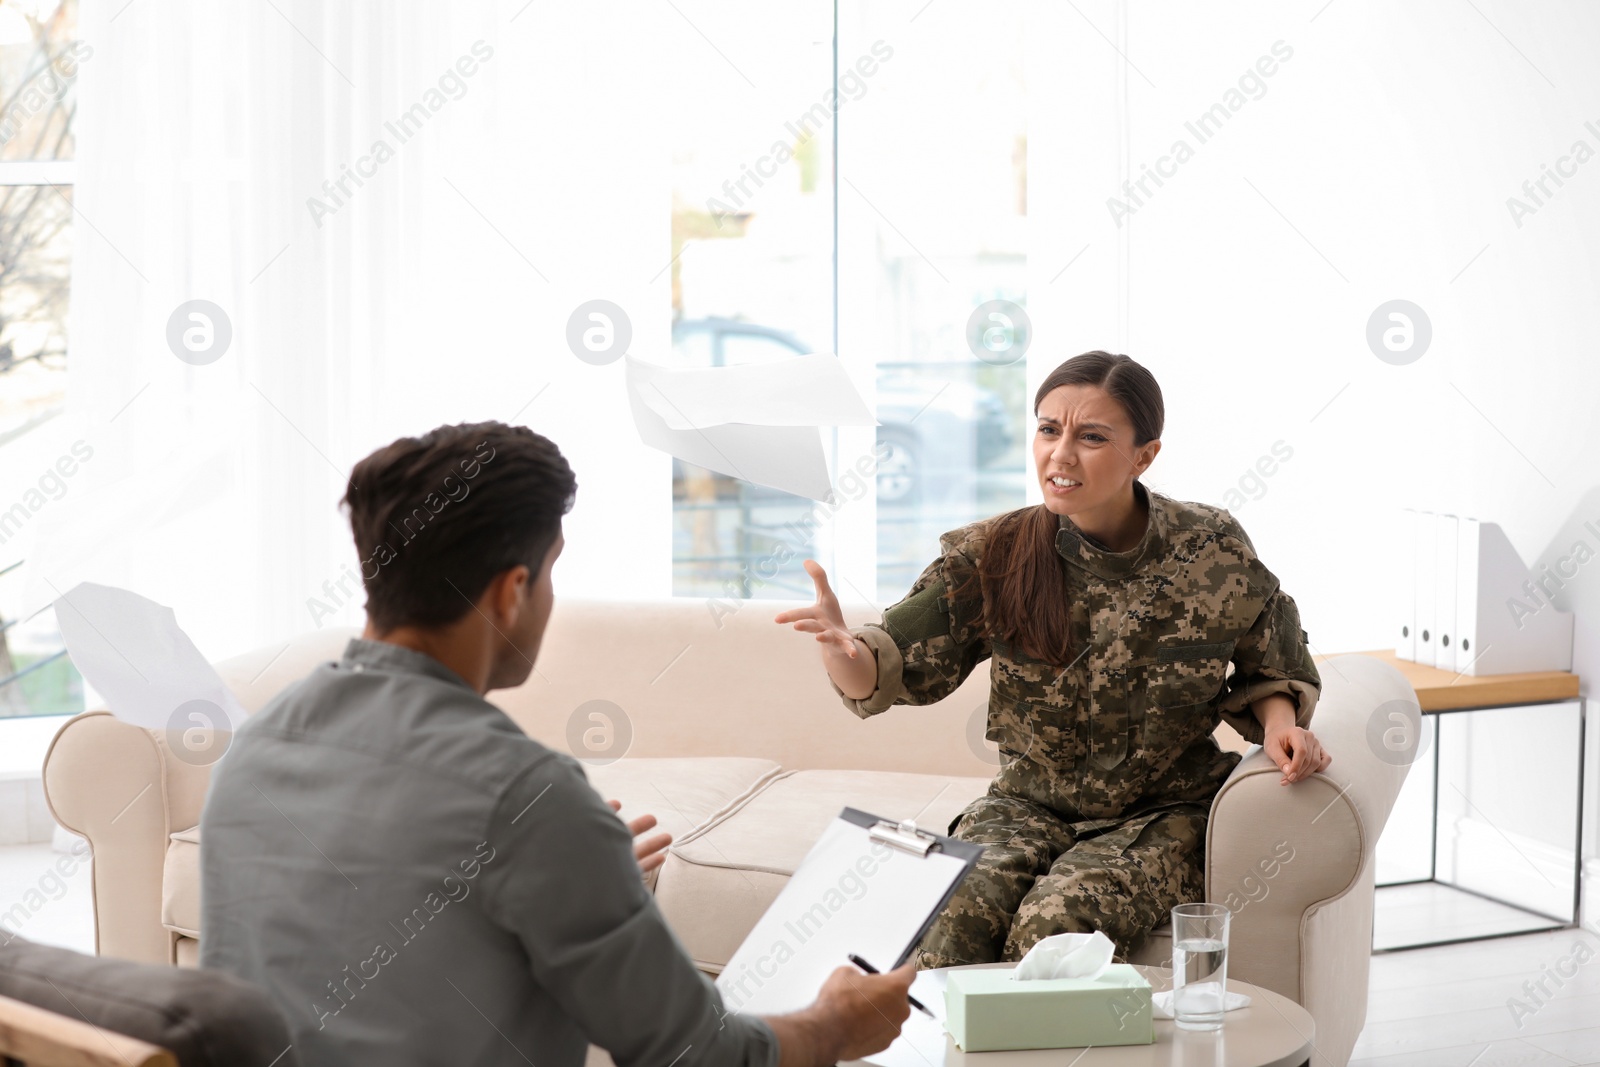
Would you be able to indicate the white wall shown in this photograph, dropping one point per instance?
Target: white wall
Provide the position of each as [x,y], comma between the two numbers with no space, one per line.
[1376,165]
[1390,141]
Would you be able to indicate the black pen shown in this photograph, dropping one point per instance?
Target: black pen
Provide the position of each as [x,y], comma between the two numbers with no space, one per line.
[870,969]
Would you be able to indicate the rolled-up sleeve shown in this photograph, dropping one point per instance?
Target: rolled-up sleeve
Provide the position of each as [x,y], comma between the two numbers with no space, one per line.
[566,880]
[929,642]
[1271,657]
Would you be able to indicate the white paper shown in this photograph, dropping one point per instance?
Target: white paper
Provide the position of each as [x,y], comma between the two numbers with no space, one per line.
[922,1041]
[849,895]
[133,653]
[810,390]
[1066,956]
[758,421]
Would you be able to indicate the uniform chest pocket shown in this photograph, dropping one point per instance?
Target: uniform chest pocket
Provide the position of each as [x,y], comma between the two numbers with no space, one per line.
[1187,674]
[1032,711]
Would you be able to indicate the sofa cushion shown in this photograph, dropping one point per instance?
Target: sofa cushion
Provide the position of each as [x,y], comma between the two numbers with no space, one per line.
[202,1017]
[720,879]
[682,793]
[180,883]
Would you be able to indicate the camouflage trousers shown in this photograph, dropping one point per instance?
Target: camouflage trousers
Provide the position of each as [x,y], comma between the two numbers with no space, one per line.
[1038,877]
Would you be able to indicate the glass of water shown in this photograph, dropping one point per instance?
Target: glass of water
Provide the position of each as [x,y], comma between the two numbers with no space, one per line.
[1199,965]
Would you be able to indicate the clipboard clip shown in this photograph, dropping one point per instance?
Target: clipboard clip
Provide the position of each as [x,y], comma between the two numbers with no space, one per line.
[903,835]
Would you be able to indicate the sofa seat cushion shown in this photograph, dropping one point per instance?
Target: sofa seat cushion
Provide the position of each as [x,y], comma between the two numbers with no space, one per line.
[718,880]
[682,793]
[180,883]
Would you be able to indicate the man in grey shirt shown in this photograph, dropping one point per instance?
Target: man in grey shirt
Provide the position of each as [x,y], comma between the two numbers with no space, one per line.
[416,881]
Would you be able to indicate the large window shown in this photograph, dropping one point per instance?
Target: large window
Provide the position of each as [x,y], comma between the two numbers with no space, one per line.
[752,242]
[946,284]
[39,60]
[924,221]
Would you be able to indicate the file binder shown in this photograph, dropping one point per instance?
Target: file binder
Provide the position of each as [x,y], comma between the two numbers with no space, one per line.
[1425,581]
[1469,564]
[1405,646]
[869,886]
[1474,607]
[1444,592]
[1506,623]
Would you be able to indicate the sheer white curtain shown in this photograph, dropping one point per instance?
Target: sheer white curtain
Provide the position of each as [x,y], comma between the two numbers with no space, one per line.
[479,171]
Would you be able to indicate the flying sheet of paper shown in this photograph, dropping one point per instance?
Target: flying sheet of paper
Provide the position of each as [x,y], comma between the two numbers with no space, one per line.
[755,421]
[133,653]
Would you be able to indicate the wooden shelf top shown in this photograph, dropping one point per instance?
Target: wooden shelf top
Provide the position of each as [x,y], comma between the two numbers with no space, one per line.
[1439,690]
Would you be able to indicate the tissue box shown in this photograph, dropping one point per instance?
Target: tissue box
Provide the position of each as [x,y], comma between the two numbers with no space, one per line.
[986,1011]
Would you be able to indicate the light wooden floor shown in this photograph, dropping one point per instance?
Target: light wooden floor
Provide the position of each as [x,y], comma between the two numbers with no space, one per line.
[1409,914]
[40,905]
[1450,1006]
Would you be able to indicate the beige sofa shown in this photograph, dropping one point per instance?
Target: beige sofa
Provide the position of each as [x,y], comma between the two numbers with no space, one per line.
[735,741]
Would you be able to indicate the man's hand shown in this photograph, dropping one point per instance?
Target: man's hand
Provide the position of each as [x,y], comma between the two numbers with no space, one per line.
[868,1009]
[854,1015]
[651,852]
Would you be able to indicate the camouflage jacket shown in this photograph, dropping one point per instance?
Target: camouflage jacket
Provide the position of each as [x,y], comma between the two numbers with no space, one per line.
[1184,630]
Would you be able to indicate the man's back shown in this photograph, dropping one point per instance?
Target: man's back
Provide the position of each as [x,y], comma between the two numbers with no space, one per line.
[414,880]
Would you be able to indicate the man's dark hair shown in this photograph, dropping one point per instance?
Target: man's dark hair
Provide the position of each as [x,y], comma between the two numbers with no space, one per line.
[436,517]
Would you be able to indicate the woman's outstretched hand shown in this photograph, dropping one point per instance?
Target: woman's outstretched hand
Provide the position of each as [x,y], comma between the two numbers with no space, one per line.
[822,618]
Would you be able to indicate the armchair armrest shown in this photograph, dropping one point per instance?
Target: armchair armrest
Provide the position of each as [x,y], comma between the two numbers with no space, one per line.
[1302,925]
[120,787]
[30,1034]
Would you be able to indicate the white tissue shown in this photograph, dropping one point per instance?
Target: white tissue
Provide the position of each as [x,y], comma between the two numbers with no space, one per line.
[1067,956]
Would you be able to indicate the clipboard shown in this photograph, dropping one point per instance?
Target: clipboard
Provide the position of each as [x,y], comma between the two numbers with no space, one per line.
[869,885]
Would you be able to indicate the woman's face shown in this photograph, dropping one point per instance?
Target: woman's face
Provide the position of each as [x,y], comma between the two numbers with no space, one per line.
[1084,436]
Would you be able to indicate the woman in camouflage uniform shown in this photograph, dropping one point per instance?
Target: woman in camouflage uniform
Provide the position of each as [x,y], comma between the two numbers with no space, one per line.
[1110,614]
